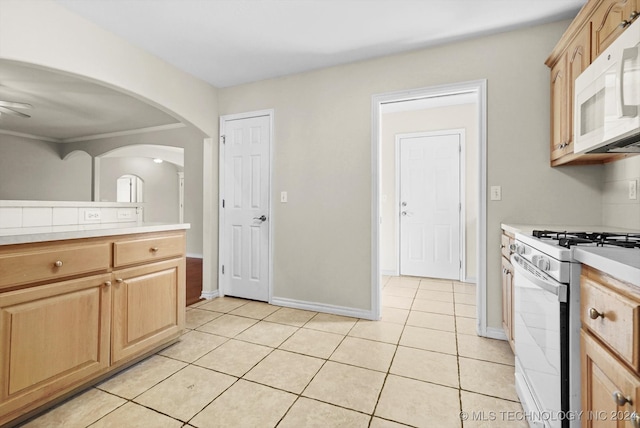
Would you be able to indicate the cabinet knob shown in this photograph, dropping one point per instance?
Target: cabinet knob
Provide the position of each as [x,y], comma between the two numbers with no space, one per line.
[624,23]
[154,249]
[502,246]
[107,283]
[119,280]
[58,263]
[594,314]
[633,15]
[620,399]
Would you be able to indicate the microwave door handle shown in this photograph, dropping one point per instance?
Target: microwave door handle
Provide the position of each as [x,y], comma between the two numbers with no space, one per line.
[625,110]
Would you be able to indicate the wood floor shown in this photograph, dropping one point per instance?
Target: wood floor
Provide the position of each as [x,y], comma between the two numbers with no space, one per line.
[194,280]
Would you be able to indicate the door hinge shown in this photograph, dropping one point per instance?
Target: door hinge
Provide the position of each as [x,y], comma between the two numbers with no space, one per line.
[223,138]
[223,203]
[223,269]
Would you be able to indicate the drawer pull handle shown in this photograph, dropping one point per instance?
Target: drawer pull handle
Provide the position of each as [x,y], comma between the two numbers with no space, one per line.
[620,399]
[107,283]
[119,280]
[58,263]
[154,249]
[594,314]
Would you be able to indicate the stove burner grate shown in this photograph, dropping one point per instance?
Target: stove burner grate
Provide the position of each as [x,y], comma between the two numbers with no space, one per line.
[600,239]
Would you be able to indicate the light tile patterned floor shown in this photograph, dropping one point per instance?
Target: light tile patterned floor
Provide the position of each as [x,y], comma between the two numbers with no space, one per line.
[249,364]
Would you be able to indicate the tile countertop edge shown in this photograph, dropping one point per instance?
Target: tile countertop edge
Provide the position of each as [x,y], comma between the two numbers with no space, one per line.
[56,233]
[621,263]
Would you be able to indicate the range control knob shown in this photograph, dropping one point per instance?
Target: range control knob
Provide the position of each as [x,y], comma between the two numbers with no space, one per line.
[520,249]
[542,263]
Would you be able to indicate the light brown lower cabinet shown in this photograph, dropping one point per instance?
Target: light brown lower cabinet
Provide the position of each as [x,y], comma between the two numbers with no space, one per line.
[148,307]
[608,351]
[62,334]
[610,391]
[52,337]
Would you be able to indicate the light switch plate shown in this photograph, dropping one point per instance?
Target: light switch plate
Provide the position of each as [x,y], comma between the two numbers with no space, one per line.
[633,189]
[496,193]
[283,197]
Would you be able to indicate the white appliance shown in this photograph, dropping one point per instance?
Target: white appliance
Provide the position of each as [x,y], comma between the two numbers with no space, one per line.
[607,99]
[547,322]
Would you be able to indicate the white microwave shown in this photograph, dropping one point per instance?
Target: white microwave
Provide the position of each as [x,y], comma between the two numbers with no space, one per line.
[607,99]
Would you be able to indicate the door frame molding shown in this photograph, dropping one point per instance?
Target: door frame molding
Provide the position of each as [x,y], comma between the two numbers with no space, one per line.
[462,272]
[222,254]
[479,88]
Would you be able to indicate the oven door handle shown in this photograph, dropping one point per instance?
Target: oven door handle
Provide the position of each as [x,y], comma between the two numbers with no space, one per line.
[543,281]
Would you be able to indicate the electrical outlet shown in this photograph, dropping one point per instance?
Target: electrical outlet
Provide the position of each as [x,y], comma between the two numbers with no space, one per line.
[283,197]
[92,215]
[496,193]
[633,189]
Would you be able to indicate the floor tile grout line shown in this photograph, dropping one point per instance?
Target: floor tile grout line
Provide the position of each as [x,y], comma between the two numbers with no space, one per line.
[297,328]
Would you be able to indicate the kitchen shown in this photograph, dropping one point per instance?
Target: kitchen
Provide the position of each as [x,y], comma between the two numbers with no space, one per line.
[517,151]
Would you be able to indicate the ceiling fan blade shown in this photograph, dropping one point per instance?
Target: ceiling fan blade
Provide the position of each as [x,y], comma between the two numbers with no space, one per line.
[12,112]
[13,104]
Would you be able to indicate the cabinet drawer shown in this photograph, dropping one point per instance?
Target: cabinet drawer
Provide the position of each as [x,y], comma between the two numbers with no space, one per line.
[53,263]
[147,249]
[612,318]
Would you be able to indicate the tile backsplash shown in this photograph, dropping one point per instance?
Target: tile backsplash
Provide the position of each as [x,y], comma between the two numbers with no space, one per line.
[22,214]
[618,210]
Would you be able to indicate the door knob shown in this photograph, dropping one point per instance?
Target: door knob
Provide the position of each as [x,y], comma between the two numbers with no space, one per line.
[261,218]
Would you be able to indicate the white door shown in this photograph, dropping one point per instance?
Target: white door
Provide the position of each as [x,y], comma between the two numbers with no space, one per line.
[430,206]
[245,249]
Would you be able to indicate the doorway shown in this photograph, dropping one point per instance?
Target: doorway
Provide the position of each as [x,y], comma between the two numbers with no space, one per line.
[429,212]
[245,209]
[474,256]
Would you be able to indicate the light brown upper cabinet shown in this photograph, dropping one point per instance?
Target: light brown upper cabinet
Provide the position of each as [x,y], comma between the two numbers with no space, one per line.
[593,30]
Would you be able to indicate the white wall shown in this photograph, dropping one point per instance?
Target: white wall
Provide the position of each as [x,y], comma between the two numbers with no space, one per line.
[33,170]
[187,138]
[160,188]
[617,209]
[322,157]
[464,116]
[44,33]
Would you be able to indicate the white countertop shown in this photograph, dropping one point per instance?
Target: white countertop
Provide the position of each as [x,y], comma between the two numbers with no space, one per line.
[527,229]
[26,235]
[620,263]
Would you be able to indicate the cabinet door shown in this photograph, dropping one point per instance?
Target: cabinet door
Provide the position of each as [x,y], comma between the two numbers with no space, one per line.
[609,390]
[52,337]
[559,105]
[609,21]
[507,300]
[148,307]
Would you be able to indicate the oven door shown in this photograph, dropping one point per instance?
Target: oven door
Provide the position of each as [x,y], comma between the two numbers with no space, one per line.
[540,318]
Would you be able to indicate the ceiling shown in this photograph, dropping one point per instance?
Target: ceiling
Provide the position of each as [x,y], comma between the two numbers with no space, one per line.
[230,42]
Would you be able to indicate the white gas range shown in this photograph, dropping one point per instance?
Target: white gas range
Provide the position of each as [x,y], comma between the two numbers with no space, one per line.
[547,320]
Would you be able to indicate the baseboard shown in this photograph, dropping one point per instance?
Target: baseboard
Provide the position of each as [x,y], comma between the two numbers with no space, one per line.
[496,333]
[388,272]
[209,294]
[321,307]
[470,280]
